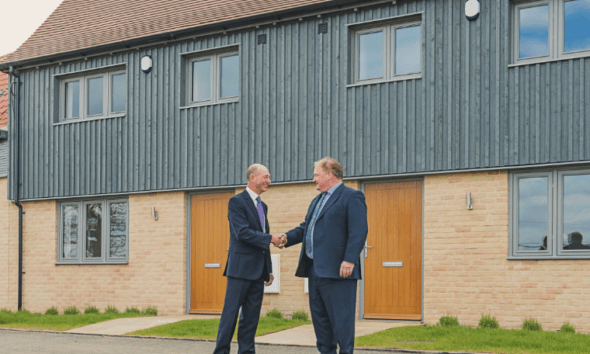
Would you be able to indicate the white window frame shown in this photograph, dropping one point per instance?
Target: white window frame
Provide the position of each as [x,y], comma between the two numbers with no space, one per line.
[556,32]
[83,79]
[555,179]
[388,27]
[215,56]
[105,257]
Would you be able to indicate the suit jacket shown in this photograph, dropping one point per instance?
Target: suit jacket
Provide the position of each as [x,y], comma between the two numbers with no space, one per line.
[339,234]
[249,252]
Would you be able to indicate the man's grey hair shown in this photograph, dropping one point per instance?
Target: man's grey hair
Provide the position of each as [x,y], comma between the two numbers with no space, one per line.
[253,168]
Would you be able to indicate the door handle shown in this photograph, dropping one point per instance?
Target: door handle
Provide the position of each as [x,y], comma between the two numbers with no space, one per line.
[367,249]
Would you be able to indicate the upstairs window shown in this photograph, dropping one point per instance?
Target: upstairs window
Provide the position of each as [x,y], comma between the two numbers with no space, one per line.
[550,214]
[387,50]
[214,77]
[93,95]
[551,29]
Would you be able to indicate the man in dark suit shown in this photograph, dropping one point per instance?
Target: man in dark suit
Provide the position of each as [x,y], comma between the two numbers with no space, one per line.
[248,268]
[333,236]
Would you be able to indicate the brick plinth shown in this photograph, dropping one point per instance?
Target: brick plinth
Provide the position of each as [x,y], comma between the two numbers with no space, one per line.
[155,275]
[8,251]
[466,271]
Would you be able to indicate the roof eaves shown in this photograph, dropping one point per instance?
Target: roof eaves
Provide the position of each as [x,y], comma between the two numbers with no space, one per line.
[230,25]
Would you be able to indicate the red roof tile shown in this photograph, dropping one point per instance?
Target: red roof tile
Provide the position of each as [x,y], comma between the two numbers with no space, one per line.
[3,97]
[82,24]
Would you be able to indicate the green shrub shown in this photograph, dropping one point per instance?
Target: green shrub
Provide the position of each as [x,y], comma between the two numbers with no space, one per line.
[91,310]
[150,311]
[531,324]
[488,321]
[5,311]
[52,311]
[71,311]
[24,311]
[299,316]
[447,321]
[274,313]
[111,310]
[567,328]
[132,310]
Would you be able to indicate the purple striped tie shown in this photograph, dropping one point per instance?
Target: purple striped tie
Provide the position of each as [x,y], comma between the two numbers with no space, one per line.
[260,211]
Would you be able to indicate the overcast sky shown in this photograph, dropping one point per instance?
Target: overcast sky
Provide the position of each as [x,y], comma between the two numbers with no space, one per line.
[20,18]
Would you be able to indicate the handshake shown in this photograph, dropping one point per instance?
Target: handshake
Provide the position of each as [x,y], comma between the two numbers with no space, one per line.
[279,240]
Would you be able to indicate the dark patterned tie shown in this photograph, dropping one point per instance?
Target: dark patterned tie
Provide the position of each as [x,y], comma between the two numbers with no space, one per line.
[260,211]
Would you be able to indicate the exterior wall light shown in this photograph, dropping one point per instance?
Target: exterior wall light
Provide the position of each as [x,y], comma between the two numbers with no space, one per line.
[472,9]
[146,64]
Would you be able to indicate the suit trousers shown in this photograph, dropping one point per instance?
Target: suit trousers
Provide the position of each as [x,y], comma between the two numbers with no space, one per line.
[246,294]
[332,303]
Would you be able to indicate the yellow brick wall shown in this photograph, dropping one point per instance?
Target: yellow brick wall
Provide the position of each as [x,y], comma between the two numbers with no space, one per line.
[466,271]
[287,207]
[8,251]
[155,275]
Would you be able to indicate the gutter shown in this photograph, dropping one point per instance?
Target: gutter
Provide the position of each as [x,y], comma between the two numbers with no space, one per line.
[16,133]
[255,21]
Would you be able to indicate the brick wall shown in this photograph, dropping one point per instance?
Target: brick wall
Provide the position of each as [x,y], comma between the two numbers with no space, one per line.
[466,271]
[8,251]
[155,275]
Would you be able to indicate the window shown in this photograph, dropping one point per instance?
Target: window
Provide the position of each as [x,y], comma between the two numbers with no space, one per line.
[389,51]
[214,78]
[94,95]
[93,231]
[551,29]
[550,214]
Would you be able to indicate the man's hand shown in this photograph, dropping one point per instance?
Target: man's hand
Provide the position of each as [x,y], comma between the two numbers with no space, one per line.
[269,282]
[346,269]
[279,240]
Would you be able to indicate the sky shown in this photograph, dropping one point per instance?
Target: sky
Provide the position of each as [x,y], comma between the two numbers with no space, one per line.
[20,18]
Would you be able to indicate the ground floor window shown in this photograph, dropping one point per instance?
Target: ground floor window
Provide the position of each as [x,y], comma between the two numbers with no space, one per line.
[93,231]
[550,214]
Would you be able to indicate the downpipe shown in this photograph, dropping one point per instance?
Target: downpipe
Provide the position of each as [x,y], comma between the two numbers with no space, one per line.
[16,135]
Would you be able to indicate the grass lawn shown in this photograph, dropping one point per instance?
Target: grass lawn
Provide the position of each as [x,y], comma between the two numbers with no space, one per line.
[459,338]
[207,329]
[26,320]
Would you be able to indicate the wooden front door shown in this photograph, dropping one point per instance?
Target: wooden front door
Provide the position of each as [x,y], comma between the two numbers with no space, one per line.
[209,244]
[393,258]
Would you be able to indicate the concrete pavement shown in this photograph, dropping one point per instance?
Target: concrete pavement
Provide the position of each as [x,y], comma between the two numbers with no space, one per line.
[302,335]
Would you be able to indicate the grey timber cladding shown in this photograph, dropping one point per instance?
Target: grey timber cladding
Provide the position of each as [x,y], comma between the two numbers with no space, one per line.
[468,110]
[3,159]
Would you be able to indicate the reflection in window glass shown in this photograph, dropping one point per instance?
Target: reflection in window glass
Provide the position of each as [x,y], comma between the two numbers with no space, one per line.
[118,240]
[576,25]
[230,76]
[94,230]
[118,92]
[407,50]
[70,231]
[73,99]
[95,95]
[202,80]
[532,214]
[534,31]
[576,212]
[370,55]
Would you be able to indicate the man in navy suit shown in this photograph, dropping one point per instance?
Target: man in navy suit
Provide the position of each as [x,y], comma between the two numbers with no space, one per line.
[333,236]
[248,268]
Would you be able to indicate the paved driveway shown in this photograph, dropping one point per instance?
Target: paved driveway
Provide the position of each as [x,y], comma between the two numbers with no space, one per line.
[31,342]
